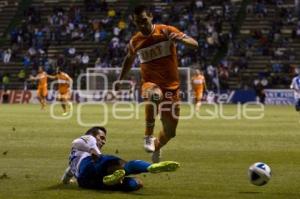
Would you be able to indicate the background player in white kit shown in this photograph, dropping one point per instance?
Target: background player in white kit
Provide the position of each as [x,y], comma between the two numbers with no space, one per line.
[93,170]
[296,87]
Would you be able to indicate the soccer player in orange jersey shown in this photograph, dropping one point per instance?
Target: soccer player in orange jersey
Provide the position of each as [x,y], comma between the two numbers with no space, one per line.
[64,89]
[42,89]
[199,86]
[155,47]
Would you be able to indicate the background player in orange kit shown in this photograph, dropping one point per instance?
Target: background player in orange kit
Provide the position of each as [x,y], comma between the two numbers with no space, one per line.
[64,89]
[199,86]
[155,46]
[42,89]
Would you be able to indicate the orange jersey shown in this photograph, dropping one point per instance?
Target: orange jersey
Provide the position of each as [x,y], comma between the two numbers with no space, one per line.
[198,82]
[157,56]
[43,80]
[63,82]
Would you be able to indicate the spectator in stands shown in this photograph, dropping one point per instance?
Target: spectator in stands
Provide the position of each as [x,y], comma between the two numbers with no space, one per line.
[71,52]
[22,75]
[249,8]
[77,34]
[98,63]
[7,55]
[122,24]
[199,4]
[97,36]
[39,38]
[95,23]
[260,9]
[26,61]
[276,67]
[32,52]
[103,35]
[5,81]
[61,61]
[85,59]
[14,36]
[111,12]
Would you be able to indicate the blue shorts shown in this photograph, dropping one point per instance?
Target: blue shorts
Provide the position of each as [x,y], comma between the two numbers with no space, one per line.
[92,172]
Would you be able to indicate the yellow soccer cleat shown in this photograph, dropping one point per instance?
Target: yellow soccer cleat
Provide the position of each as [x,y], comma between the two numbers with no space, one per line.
[165,166]
[114,178]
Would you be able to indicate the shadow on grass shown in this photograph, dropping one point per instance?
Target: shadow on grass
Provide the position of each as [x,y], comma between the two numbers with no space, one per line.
[62,187]
[142,192]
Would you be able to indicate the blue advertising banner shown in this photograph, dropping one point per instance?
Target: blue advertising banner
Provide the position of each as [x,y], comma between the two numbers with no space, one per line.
[279,96]
[243,96]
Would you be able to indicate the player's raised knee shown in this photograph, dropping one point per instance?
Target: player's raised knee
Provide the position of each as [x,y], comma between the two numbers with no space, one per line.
[152,92]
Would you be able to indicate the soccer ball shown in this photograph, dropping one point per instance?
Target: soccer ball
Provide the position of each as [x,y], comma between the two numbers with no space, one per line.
[259,173]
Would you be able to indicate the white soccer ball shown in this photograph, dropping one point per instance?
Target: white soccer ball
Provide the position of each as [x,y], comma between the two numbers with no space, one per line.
[259,173]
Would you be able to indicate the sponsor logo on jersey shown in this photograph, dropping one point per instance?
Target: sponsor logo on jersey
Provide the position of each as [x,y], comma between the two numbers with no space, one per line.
[153,52]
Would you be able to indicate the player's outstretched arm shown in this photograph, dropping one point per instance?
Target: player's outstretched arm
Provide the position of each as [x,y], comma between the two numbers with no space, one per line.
[32,78]
[51,76]
[188,41]
[174,34]
[126,65]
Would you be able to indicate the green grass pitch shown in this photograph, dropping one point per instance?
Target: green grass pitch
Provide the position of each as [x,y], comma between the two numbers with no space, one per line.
[214,154]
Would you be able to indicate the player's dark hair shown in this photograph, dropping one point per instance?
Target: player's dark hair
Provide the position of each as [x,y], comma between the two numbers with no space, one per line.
[140,9]
[95,130]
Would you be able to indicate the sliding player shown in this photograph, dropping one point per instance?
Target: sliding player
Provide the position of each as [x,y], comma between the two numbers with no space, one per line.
[199,86]
[93,170]
[155,46]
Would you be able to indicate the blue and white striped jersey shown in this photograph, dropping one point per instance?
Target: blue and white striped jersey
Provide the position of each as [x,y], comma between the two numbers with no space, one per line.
[81,149]
[296,86]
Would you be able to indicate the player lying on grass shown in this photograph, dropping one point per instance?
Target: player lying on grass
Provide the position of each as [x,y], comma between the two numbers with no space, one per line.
[93,170]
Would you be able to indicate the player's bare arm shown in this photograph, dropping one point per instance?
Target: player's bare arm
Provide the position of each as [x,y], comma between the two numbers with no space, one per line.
[126,65]
[186,40]
[32,78]
[51,76]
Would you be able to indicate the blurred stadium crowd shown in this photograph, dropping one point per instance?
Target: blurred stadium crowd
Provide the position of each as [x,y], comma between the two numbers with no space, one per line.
[259,50]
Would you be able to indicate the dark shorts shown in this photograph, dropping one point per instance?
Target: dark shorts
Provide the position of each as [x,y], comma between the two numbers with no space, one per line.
[92,172]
